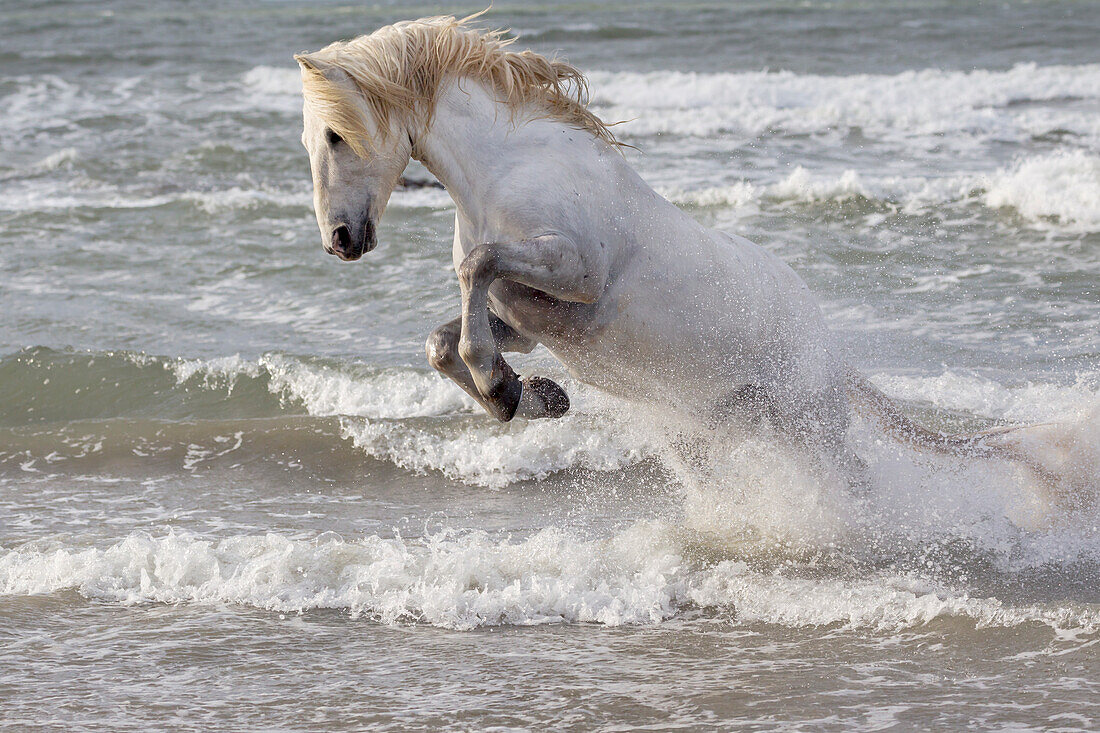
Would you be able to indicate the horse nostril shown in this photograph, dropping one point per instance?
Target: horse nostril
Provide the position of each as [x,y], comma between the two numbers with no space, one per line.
[341,238]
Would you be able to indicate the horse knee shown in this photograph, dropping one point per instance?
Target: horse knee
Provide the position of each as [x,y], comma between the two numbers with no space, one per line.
[442,348]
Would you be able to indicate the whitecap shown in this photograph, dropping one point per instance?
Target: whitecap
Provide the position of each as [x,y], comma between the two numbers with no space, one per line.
[468,579]
[1063,187]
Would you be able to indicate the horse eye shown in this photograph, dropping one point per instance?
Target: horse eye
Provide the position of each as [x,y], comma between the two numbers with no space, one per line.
[332,137]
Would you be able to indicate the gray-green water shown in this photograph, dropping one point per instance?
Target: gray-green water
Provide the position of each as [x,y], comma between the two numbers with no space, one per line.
[233,496]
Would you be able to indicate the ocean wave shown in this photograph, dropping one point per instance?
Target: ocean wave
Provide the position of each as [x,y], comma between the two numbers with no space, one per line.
[643,574]
[60,159]
[411,418]
[1057,192]
[928,104]
[237,198]
[422,423]
[924,112]
[921,111]
[750,510]
[329,389]
[483,453]
[49,196]
[573,31]
[419,421]
[1062,188]
[975,394]
[275,81]
[41,384]
[379,411]
[295,200]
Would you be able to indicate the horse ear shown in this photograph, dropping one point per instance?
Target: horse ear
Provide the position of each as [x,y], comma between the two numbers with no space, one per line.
[311,62]
[327,69]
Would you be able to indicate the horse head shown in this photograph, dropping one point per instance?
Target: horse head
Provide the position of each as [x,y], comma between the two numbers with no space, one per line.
[356,158]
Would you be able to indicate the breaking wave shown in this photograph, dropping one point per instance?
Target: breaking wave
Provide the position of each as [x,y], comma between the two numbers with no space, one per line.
[466,579]
[916,106]
[764,536]
[417,420]
[411,418]
[1059,191]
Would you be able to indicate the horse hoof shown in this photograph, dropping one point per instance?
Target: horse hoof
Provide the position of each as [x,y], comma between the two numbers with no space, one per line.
[542,397]
[505,394]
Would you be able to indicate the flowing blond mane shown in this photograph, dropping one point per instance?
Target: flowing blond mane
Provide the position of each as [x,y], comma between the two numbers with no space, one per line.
[400,68]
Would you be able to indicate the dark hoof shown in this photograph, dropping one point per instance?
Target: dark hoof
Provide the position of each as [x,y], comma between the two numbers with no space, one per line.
[504,399]
[555,402]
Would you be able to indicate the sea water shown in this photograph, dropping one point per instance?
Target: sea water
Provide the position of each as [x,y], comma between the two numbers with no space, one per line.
[233,494]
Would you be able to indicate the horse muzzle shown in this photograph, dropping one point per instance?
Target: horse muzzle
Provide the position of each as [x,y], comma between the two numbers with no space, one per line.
[349,243]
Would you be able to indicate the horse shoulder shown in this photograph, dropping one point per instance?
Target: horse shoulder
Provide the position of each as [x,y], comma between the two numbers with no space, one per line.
[528,203]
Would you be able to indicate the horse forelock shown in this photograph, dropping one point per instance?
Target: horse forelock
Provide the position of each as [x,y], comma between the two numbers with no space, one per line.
[399,69]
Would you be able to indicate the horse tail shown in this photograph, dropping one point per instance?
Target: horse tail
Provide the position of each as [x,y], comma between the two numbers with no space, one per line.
[995,444]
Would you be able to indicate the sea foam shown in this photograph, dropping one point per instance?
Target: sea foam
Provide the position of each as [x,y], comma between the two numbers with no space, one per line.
[914,106]
[465,579]
[1061,188]
[766,534]
[392,414]
[1058,192]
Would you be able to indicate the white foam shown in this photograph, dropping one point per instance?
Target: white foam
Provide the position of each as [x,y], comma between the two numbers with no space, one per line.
[49,196]
[463,580]
[1059,192]
[474,449]
[326,390]
[396,393]
[421,198]
[235,198]
[485,453]
[222,371]
[922,107]
[885,602]
[60,159]
[42,101]
[33,195]
[801,186]
[1063,186]
[989,502]
[969,392]
[42,195]
[285,81]
[740,195]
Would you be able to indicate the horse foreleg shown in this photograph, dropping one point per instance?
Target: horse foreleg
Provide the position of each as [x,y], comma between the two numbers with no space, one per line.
[538,396]
[550,263]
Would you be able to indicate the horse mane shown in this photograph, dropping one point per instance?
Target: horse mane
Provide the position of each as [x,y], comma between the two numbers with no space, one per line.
[400,68]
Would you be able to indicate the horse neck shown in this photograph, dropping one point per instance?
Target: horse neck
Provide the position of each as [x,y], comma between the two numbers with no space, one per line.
[472,141]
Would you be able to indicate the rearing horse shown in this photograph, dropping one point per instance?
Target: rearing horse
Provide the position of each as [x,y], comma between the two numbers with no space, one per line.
[558,241]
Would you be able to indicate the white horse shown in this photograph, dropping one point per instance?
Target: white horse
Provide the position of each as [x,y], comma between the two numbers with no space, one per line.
[558,241]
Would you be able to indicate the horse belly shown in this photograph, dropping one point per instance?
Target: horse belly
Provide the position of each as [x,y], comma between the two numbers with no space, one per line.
[587,339]
[656,355]
[688,351]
